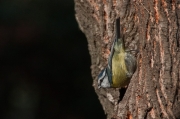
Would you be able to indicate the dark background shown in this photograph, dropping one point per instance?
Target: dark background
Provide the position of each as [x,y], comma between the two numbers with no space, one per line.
[44,63]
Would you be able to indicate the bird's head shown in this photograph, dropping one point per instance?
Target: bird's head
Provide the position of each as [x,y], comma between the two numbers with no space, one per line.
[103,80]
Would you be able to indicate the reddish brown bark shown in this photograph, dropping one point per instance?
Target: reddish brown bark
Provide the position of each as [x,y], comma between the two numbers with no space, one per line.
[152,28]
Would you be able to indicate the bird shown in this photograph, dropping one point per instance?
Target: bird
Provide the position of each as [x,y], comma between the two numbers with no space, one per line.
[121,64]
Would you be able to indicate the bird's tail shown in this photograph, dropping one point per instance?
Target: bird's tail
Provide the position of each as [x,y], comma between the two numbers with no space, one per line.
[119,43]
[117,28]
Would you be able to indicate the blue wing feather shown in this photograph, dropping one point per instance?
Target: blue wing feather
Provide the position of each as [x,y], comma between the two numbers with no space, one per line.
[117,36]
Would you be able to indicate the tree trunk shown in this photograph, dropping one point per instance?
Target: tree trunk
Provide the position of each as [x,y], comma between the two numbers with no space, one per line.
[152,28]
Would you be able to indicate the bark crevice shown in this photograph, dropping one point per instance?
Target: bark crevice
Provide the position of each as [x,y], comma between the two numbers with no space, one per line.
[152,28]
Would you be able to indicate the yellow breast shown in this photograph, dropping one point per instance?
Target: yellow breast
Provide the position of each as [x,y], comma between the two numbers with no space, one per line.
[119,71]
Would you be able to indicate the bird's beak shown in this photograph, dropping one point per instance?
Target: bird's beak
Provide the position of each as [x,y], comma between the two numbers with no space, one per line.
[99,86]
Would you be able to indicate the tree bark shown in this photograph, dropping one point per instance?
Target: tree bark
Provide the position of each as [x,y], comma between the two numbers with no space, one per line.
[152,28]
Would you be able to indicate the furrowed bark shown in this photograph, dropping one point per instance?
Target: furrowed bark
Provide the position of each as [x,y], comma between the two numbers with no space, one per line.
[152,28]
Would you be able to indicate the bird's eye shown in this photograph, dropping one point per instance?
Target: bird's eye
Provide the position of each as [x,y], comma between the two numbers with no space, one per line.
[101,80]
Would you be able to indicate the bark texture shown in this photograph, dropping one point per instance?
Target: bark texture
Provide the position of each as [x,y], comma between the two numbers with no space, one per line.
[152,28]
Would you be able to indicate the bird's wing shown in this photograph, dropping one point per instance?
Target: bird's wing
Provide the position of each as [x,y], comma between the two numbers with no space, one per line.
[117,36]
[130,62]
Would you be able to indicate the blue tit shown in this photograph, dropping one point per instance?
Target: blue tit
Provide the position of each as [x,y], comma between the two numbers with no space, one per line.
[121,64]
